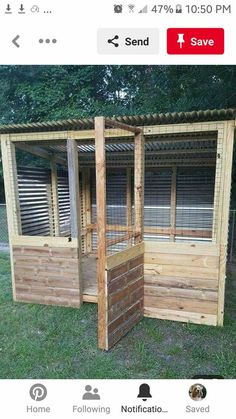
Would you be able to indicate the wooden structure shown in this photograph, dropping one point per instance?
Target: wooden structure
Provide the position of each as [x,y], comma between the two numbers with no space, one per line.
[130,213]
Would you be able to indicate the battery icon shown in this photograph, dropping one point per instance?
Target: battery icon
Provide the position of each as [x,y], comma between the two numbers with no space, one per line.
[178,8]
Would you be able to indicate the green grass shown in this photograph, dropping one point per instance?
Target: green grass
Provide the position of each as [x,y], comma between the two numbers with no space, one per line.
[54,342]
[3,222]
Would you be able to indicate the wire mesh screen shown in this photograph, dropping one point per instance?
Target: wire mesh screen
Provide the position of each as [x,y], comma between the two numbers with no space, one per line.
[181,186]
[195,202]
[88,205]
[120,156]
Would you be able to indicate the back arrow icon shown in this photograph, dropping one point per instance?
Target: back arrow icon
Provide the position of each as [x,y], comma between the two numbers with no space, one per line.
[14,41]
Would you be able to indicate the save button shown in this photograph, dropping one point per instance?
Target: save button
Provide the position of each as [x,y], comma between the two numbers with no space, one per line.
[195,41]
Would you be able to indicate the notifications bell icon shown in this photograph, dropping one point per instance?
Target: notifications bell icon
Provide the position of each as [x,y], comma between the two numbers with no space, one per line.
[144,392]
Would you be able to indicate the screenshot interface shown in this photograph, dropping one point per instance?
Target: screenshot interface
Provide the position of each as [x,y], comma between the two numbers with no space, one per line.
[117,209]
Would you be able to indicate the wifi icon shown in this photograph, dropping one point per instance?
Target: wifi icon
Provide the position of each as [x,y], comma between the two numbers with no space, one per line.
[144,9]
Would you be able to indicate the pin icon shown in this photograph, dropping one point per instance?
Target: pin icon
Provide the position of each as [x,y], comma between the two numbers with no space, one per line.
[180,39]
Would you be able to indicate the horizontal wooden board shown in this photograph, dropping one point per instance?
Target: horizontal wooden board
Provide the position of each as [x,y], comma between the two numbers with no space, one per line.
[178,292]
[201,261]
[21,272]
[124,256]
[46,280]
[181,304]
[41,241]
[45,291]
[182,271]
[181,282]
[180,316]
[90,298]
[47,252]
[201,249]
[47,300]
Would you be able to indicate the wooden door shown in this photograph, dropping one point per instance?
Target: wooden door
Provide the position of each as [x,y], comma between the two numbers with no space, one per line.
[120,275]
[121,297]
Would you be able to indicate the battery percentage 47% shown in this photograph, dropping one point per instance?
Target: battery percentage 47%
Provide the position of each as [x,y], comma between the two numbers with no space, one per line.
[162,8]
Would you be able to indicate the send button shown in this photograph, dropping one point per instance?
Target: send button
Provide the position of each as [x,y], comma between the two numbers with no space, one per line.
[128,41]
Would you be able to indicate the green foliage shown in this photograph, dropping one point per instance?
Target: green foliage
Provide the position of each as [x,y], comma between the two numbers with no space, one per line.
[37,93]
[40,93]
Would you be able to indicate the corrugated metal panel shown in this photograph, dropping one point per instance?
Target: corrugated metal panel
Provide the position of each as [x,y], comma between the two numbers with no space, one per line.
[157,195]
[150,119]
[33,195]
[63,202]
[195,198]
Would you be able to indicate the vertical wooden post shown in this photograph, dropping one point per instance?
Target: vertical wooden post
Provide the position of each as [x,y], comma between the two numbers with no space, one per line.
[88,208]
[73,176]
[11,185]
[173,204]
[228,144]
[128,202]
[55,205]
[101,230]
[50,209]
[218,190]
[139,185]
[12,196]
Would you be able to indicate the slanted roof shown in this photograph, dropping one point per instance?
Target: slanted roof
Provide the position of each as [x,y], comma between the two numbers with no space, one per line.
[139,120]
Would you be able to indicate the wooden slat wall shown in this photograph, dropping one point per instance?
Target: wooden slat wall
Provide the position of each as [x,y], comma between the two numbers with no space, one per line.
[47,275]
[181,282]
[124,294]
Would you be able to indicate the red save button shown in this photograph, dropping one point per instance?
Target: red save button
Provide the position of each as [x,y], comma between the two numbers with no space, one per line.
[195,41]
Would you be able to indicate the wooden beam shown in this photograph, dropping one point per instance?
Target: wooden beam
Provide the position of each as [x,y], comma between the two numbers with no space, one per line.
[115,124]
[73,176]
[44,241]
[226,174]
[139,185]
[12,197]
[11,185]
[128,201]
[88,207]
[50,209]
[55,204]
[147,130]
[124,256]
[174,153]
[40,152]
[157,230]
[101,222]
[173,203]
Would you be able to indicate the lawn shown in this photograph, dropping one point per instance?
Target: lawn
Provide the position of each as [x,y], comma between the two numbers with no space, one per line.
[54,342]
[3,222]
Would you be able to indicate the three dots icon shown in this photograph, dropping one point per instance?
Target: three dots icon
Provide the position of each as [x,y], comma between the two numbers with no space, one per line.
[47,41]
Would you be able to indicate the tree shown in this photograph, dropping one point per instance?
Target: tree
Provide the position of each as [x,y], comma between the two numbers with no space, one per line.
[41,93]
